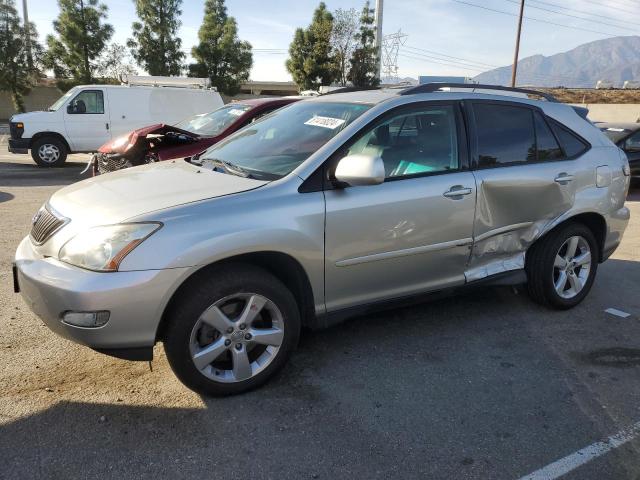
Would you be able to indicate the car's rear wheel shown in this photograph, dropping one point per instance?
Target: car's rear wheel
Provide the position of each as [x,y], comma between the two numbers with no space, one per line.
[49,152]
[561,268]
[231,331]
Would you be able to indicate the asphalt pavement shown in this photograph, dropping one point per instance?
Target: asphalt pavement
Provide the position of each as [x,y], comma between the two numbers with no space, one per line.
[486,385]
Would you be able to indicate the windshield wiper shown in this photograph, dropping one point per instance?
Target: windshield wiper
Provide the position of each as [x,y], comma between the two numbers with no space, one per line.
[229,167]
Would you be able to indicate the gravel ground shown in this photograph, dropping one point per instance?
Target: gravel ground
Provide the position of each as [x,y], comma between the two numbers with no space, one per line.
[484,385]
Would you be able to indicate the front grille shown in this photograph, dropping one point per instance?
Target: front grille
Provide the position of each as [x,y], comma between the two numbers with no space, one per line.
[110,163]
[45,224]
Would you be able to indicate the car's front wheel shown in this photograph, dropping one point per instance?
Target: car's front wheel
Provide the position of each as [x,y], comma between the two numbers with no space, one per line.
[231,331]
[561,268]
[49,152]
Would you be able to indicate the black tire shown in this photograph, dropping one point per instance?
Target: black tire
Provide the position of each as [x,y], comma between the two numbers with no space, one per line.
[56,145]
[540,266]
[202,293]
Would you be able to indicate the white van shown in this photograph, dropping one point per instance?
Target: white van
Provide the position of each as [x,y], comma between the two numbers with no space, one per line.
[87,116]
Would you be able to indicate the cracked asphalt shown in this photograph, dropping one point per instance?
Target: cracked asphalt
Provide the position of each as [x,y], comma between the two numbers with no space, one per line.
[482,385]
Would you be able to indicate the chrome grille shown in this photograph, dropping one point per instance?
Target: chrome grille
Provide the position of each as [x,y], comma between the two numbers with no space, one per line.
[45,224]
[110,163]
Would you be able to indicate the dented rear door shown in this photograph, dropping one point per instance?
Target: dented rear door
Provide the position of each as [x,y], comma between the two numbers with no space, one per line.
[524,181]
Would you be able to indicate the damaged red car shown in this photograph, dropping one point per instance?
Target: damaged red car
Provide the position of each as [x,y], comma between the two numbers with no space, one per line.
[183,140]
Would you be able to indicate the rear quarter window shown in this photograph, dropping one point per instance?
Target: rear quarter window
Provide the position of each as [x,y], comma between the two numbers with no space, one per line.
[570,142]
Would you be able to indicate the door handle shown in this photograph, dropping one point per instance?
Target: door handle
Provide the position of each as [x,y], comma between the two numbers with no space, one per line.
[107,126]
[457,192]
[563,178]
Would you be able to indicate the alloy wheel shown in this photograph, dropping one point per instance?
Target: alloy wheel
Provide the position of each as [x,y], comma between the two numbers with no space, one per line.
[237,337]
[572,267]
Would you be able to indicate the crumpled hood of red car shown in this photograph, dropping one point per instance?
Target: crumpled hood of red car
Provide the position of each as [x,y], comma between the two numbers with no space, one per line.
[135,135]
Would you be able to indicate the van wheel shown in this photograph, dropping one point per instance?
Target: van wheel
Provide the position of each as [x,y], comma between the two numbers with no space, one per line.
[48,152]
[232,331]
[562,267]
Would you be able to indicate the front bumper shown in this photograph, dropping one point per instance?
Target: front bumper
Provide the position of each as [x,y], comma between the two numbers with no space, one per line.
[19,145]
[135,300]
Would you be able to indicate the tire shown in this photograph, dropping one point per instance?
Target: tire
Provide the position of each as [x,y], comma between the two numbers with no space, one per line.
[548,259]
[49,152]
[196,332]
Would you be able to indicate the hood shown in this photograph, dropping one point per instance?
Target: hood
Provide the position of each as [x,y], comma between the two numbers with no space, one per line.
[124,142]
[122,195]
[39,114]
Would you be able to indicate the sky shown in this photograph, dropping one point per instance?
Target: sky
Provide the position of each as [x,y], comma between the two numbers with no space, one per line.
[444,37]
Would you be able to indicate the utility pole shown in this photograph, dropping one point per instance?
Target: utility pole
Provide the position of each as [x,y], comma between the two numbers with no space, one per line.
[514,69]
[378,20]
[27,34]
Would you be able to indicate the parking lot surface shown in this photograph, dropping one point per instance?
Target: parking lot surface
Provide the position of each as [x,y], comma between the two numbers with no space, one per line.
[482,385]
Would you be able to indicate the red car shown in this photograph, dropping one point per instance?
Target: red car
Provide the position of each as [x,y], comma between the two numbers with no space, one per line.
[185,139]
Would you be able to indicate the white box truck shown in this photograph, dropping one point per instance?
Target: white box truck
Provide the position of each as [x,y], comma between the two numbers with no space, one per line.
[87,116]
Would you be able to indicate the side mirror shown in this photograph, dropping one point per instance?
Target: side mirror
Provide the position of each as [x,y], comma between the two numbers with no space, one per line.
[70,108]
[358,170]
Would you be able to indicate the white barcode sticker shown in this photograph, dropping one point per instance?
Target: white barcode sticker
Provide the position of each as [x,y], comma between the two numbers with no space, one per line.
[325,122]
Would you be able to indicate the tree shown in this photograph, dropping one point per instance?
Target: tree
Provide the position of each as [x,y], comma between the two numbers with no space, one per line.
[343,41]
[16,77]
[311,62]
[221,55]
[155,44]
[82,36]
[364,62]
[114,63]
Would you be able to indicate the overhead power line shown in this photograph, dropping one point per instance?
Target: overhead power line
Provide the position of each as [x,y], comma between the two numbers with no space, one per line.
[600,4]
[535,19]
[476,69]
[453,62]
[451,56]
[574,16]
[598,15]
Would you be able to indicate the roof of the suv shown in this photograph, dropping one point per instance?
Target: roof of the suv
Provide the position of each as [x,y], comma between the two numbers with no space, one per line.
[378,95]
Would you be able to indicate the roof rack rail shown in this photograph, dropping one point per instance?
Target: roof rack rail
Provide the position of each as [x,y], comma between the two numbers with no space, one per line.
[349,89]
[434,87]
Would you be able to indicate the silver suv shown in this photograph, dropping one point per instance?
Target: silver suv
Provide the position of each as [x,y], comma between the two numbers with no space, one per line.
[323,210]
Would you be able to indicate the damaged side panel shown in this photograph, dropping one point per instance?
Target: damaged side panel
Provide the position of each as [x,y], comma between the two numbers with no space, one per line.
[515,206]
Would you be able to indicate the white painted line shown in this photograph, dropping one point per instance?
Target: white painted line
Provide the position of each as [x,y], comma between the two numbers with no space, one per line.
[571,462]
[617,313]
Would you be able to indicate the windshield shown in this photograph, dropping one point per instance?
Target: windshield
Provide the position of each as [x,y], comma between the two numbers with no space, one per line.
[278,143]
[211,124]
[63,99]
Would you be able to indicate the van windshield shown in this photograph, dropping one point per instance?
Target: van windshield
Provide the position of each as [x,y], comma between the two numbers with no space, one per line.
[211,124]
[61,101]
[274,146]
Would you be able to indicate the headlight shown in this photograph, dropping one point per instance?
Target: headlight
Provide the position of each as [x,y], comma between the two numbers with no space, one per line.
[104,248]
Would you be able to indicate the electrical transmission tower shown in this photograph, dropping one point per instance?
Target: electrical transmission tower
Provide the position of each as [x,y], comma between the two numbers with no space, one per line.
[390,47]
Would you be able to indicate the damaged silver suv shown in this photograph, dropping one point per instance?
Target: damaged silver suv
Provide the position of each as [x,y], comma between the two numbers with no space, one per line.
[324,209]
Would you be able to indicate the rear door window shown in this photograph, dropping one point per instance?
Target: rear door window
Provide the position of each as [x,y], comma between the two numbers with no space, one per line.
[505,134]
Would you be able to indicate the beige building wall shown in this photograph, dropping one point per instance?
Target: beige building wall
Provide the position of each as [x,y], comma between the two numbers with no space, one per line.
[613,112]
[40,98]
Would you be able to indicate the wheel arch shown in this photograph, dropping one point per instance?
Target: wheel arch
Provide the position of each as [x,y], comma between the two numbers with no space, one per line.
[283,266]
[55,135]
[592,220]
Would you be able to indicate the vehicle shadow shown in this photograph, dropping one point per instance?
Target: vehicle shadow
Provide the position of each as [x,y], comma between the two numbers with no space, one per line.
[5,197]
[14,174]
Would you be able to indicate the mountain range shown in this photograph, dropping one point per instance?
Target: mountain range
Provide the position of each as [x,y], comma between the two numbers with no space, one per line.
[614,60]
